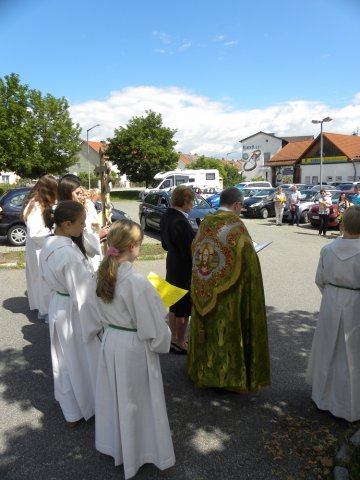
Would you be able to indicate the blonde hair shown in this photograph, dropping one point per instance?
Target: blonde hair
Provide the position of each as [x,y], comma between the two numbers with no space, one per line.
[121,235]
[182,195]
[94,191]
[351,220]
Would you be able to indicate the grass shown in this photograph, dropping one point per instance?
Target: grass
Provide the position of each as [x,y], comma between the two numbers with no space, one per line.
[16,258]
[125,195]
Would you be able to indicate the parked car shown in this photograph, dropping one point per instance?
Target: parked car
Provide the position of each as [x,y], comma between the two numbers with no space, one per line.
[155,204]
[333,221]
[214,200]
[260,205]
[288,186]
[11,225]
[308,198]
[253,185]
[115,213]
[209,191]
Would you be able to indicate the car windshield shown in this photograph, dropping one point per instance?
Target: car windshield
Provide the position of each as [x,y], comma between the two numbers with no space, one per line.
[264,192]
[308,195]
[200,202]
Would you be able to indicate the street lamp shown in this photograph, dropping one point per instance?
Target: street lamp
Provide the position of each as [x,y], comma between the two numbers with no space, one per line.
[87,143]
[326,119]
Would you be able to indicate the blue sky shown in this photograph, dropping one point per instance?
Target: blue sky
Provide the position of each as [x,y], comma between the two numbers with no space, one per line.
[217,71]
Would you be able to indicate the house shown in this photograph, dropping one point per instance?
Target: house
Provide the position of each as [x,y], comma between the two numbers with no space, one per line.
[258,149]
[301,162]
[9,178]
[89,158]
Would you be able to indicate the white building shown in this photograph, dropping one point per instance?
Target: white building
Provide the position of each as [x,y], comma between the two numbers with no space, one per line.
[257,151]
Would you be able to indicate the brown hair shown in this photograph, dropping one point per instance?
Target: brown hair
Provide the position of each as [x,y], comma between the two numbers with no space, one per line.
[44,192]
[67,184]
[351,220]
[182,195]
[66,211]
[121,235]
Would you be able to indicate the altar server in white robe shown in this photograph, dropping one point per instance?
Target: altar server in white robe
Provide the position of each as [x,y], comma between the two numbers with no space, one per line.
[131,422]
[70,188]
[334,364]
[66,270]
[41,196]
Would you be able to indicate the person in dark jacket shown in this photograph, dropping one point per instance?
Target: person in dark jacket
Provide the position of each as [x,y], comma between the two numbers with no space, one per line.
[176,237]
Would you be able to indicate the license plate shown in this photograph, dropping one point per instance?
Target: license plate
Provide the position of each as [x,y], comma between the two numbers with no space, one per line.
[243,210]
[315,217]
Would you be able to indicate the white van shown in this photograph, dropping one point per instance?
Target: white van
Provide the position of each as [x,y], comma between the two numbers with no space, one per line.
[198,178]
[259,184]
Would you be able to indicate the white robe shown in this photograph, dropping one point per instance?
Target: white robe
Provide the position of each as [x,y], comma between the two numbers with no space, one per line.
[37,291]
[334,363]
[68,272]
[131,421]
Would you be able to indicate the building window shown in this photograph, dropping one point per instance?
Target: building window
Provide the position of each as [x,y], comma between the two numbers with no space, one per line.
[5,178]
[314,180]
[307,180]
[266,156]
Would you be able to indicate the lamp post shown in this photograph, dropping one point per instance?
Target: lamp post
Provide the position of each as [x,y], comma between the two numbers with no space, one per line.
[326,119]
[88,153]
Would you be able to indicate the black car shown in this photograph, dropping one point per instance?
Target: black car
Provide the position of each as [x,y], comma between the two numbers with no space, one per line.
[261,205]
[11,225]
[156,202]
[115,213]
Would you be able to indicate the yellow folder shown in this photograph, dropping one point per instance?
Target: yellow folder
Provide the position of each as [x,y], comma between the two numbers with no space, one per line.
[168,293]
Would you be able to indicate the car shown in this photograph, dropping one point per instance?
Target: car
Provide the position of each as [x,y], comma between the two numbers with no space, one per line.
[333,220]
[307,199]
[214,200]
[289,186]
[155,204]
[11,225]
[260,205]
[115,213]
[209,191]
[257,184]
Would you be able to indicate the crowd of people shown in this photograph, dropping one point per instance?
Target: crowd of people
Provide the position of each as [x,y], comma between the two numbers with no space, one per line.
[108,324]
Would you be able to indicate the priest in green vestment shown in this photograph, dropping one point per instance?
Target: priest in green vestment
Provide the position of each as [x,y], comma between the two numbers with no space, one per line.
[228,344]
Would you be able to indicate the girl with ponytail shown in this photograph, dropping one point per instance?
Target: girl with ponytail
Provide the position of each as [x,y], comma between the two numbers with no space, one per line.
[67,272]
[129,371]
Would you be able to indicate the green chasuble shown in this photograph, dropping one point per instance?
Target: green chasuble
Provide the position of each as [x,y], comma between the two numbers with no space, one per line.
[228,345]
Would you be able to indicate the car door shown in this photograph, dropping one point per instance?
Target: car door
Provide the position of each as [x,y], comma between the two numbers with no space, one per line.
[155,210]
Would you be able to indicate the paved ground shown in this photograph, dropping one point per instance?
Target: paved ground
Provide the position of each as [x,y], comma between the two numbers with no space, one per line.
[269,435]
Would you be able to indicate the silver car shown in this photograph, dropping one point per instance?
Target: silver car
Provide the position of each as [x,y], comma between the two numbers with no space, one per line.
[308,198]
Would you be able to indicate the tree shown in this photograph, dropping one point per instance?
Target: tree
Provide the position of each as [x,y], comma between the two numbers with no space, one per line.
[37,134]
[143,148]
[230,175]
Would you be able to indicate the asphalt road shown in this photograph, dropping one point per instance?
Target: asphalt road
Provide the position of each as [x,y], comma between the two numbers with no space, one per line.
[267,435]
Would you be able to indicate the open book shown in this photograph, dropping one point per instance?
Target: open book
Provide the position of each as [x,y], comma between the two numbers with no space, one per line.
[260,246]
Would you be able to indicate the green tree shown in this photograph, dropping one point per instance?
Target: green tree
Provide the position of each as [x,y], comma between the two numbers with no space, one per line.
[143,148]
[229,174]
[37,134]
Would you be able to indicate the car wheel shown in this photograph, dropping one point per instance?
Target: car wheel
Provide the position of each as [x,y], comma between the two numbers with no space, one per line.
[16,235]
[304,218]
[264,213]
[143,223]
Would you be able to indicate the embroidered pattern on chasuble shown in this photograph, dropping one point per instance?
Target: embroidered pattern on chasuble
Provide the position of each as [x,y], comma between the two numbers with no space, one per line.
[215,259]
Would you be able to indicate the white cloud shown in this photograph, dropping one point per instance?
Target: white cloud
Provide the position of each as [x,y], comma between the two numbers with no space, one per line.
[230,43]
[209,127]
[218,38]
[185,45]
[162,36]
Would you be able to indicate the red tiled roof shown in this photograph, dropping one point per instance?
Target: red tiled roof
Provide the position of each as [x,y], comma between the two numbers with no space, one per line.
[289,154]
[348,144]
[186,159]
